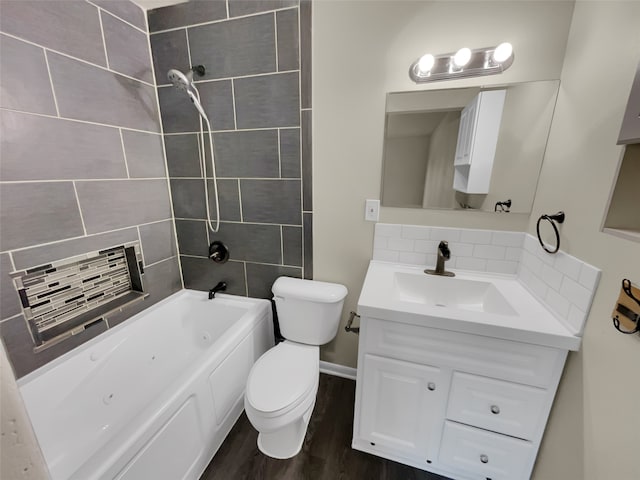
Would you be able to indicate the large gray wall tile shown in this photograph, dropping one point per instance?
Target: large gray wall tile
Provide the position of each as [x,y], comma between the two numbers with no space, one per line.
[19,345]
[287,21]
[268,101]
[249,242]
[252,154]
[192,237]
[69,27]
[108,205]
[307,162]
[35,213]
[271,201]
[188,198]
[203,274]
[169,51]
[247,7]
[35,256]
[127,48]
[290,152]
[9,300]
[229,195]
[179,114]
[24,77]
[308,246]
[260,278]
[158,241]
[145,157]
[187,13]
[292,246]
[42,148]
[126,10]
[89,93]
[182,155]
[305,52]
[161,280]
[244,46]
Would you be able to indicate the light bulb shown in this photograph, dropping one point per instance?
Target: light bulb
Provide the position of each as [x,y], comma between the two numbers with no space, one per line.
[502,52]
[462,57]
[425,64]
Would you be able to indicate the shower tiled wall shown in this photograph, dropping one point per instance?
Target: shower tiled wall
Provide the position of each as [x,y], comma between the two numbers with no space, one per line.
[82,162]
[257,93]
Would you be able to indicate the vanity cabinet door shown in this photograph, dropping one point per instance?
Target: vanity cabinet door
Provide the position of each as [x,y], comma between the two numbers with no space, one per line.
[403,406]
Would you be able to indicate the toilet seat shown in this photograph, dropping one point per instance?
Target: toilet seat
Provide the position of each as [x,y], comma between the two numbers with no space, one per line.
[283,378]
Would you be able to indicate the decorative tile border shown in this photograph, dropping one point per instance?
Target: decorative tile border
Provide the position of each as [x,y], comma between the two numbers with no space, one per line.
[563,283]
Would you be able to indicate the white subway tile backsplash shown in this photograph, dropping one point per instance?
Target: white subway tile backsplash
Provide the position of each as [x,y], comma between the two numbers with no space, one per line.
[447,234]
[507,239]
[589,276]
[551,277]
[426,246]
[576,293]
[386,255]
[400,244]
[558,303]
[388,230]
[412,258]
[502,266]
[562,282]
[514,254]
[415,232]
[568,265]
[471,263]
[461,249]
[493,252]
[479,237]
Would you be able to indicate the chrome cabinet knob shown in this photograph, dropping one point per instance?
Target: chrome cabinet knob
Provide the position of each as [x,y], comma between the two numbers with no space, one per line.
[484,458]
[495,409]
[431,386]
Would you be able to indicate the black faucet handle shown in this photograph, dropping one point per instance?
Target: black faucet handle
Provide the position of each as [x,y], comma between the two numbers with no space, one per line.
[443,247]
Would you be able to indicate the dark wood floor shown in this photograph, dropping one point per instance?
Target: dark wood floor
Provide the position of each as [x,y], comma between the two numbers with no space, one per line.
[326,453]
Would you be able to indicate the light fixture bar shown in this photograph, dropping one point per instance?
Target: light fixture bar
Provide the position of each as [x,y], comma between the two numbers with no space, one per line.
[463,63]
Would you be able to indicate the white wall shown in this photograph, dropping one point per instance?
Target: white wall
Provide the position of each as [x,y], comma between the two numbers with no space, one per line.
[597,407]
[362,51]
[405,170]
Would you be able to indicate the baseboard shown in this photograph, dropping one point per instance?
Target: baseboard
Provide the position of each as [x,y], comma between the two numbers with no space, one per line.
[337,370]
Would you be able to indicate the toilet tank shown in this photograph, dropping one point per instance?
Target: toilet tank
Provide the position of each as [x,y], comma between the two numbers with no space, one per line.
[308,311]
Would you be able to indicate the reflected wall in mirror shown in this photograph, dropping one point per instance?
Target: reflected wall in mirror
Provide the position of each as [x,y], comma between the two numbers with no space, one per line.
[426,141]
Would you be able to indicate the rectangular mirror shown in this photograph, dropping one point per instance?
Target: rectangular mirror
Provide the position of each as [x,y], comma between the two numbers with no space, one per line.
[434,159]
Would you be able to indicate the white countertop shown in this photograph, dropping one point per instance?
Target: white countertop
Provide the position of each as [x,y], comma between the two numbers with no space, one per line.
[532,322]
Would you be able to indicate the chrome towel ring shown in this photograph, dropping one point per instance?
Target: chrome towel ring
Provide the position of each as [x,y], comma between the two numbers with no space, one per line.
[552,219]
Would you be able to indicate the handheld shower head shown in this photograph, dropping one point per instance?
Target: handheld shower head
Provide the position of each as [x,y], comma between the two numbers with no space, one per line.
[180,80]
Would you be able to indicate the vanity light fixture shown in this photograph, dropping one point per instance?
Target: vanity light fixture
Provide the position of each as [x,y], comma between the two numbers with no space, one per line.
[463,63]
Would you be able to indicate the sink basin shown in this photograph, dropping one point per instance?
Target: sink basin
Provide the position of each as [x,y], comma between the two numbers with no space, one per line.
[479,303]
[450,292]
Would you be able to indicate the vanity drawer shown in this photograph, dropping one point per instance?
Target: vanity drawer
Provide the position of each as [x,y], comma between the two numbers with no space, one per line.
[493,357]
[478,454]
[509,408]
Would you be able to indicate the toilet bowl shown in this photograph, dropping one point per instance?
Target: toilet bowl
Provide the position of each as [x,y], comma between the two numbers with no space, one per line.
[283,383]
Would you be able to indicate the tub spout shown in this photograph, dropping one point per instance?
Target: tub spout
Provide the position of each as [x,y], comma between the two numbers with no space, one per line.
[220,287]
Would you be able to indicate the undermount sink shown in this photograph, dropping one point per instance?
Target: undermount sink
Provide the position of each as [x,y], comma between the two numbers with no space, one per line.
[450,292]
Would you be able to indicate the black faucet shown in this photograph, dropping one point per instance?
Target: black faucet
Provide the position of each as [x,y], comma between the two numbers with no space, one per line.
[220,287]
[444,254]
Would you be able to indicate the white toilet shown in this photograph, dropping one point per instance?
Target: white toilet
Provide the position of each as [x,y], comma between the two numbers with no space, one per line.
[282,385]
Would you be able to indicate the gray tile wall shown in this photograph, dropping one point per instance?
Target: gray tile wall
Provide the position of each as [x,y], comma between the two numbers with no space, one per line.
[83,166]
[256,91]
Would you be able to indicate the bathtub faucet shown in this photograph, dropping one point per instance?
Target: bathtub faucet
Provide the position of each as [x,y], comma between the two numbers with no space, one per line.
[220,287]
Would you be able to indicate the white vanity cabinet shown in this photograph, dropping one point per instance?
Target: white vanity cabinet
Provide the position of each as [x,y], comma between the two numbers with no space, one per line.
[461,405]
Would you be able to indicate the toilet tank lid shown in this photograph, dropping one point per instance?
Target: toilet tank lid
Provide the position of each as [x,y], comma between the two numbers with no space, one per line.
[311,290]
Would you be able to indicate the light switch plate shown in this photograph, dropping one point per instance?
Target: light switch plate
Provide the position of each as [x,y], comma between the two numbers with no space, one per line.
[372,210]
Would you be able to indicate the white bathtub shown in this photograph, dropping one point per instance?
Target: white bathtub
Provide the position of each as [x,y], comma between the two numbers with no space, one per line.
[154,397]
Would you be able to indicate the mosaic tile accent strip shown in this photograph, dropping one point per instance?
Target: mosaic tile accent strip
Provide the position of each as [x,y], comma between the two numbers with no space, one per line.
[58,298]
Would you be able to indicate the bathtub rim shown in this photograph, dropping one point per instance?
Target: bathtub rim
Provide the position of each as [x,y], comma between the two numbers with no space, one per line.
[185,292]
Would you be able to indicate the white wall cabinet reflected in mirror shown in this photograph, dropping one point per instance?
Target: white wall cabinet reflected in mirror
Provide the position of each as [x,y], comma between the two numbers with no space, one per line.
[433,159]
